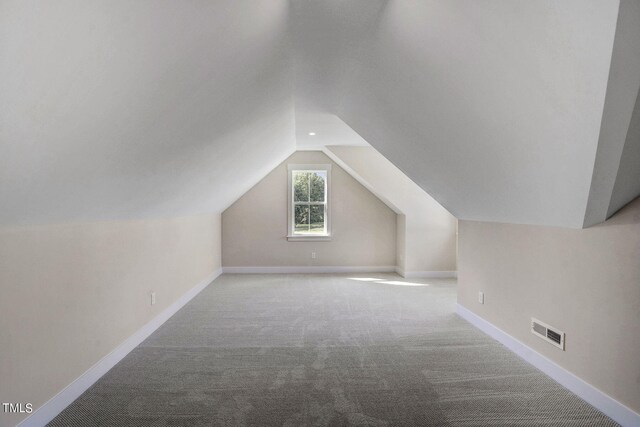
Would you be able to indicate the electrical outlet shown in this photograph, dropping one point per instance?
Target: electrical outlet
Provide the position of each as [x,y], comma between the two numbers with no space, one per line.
[313,255]
[481,297]
[153,298]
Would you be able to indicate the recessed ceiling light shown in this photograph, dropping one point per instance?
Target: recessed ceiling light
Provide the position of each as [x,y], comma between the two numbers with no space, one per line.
[312,134]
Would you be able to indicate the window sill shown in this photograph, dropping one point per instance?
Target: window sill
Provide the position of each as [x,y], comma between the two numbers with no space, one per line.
[309,238]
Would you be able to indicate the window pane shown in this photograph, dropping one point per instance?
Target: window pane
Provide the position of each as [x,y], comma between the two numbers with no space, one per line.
[317,219]
[301,186]
[301,219]
[316,184]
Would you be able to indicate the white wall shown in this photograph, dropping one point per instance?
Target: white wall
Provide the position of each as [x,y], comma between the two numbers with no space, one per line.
[584,282]
[254,228]
[429,239]
[71,293]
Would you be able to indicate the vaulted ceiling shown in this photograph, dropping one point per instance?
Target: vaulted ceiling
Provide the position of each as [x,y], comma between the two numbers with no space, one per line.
[511,111]
[127,109]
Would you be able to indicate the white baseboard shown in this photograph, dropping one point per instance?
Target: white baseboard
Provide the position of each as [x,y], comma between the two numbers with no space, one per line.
[427,274]
[308,269]
[66,396]
[342,269]
[606,404]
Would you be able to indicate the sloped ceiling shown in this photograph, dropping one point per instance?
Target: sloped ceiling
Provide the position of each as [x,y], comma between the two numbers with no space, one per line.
[616,173]
[118,109]
[627,182]
[494,108]
[125,109]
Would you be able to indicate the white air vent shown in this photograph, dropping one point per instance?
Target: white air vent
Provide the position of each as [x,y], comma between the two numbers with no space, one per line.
[547,333]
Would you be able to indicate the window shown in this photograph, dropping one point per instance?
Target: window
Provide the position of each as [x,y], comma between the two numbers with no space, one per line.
[309,202]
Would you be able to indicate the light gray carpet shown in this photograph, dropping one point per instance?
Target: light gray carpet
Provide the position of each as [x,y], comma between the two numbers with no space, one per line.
[324,350]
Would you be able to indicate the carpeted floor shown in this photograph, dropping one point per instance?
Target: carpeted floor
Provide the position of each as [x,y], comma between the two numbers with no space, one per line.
[325,350]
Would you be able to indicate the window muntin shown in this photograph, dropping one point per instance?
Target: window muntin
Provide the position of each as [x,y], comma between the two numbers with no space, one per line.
[308,200]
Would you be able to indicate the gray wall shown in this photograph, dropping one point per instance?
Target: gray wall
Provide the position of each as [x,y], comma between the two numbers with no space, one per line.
[72,293]
[254,228]
[584,282]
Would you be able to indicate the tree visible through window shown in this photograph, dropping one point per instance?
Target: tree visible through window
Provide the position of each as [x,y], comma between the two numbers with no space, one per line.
[309,201]
[309,217]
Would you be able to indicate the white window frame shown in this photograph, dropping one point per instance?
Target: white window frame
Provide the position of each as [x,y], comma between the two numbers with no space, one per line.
[290,205]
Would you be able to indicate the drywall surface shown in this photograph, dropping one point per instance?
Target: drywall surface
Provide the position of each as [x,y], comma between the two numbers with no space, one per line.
[429,243]
[326,41]
[614,167]
[401,243]
[145,109]
[120,109]
[584,282]
[493,108]
[627,184]
[73,293]
[254,229]
[326,129]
